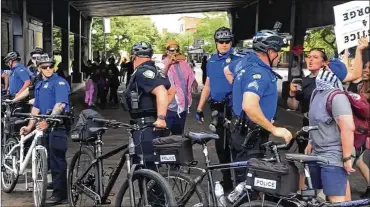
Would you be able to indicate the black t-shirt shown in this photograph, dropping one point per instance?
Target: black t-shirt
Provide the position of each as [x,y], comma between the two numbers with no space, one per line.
[146,78]
[354,87]
[304,97]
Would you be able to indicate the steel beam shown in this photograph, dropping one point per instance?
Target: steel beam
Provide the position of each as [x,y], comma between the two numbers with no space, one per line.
[25,32]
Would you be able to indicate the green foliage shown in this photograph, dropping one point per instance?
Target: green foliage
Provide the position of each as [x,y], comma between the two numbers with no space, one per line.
[134,29]
[208,26]
[322,38]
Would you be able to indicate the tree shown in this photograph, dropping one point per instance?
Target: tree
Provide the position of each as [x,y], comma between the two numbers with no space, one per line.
[131,28]
[208,26]
[322,38]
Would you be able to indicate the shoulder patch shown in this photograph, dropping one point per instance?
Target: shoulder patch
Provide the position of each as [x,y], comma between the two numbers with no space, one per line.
[149,74]
[257,76]
[61,83]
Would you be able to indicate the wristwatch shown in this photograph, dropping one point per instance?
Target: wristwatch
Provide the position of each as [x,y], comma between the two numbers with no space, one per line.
[346,159]
[161,117]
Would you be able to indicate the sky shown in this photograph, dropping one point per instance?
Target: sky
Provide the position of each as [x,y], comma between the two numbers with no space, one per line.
[170,21]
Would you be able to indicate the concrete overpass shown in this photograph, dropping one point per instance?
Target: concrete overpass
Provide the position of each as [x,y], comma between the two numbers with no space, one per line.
[29,23]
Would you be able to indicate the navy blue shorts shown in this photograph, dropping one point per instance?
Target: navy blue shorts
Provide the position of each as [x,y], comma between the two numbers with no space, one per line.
[332,179]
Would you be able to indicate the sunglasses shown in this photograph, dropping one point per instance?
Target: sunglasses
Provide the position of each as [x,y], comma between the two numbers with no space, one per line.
[224,42]
[46,67]
[173,49]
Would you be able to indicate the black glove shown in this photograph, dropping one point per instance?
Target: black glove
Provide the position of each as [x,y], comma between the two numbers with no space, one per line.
[200,116]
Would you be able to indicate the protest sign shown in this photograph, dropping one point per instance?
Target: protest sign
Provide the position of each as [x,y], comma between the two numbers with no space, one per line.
[351,23]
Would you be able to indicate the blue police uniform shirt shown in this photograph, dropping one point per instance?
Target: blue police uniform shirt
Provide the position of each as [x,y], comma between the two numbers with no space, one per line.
[48,92]
[18,75]
[253,75]
[215,72]
[147,77]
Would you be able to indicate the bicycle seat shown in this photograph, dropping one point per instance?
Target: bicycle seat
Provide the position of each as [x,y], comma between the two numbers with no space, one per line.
[201,137]
[96,130]
[305,158]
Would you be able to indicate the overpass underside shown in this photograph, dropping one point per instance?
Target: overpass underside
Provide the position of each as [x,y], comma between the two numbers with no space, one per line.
[24,20]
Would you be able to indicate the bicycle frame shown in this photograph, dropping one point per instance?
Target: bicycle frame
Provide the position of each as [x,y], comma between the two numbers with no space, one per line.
[103,194]
[23,161]
[208,172]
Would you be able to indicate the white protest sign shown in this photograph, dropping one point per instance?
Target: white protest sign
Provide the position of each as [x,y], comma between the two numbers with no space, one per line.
[351,23]
[106,23]
[348,36]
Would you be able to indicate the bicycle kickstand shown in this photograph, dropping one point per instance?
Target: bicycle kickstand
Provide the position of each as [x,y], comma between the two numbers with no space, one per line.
[27,188]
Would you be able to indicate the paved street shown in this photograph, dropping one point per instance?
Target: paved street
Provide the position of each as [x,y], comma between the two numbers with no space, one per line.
[113,138]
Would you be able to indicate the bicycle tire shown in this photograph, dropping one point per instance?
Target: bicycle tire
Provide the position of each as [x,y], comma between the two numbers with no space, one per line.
[10,188]
[258,203]
[90,154]
[152,175]
[44,160]
[198,189]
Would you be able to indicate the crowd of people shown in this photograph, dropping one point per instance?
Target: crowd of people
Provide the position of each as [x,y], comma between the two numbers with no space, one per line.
[163,97]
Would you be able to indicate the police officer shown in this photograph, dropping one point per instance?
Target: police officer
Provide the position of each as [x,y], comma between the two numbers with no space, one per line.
[147,96]
[255,96]
[51,94]
[34,55]
[217,87]
[19,78]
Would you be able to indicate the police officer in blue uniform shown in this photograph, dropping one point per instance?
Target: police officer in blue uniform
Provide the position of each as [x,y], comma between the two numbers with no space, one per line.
[216,89]
[147,96]
[52,94]
[255,96]
[19,78]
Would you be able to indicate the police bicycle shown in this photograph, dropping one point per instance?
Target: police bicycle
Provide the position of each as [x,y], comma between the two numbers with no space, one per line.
[14,162]
[89,182]
[239,197]
[9,123]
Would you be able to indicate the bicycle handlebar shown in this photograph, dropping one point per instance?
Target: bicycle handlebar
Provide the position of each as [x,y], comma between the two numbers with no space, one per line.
[117,124]
[48,118]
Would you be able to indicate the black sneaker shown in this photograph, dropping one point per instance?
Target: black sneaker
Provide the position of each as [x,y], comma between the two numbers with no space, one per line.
[366,194]
[57,200]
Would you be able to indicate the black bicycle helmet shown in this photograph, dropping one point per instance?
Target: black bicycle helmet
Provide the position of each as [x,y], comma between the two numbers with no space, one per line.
[37,50]
[270,39]
[142,49]
[44,58]
[223,34]
[12,56]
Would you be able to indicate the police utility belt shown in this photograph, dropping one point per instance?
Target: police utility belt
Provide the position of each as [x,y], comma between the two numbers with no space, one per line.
[249,132]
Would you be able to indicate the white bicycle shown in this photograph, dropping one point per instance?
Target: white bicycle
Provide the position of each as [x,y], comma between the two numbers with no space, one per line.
[14,162]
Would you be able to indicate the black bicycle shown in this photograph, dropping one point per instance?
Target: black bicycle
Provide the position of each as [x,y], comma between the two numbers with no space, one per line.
[153,188]
[192,194]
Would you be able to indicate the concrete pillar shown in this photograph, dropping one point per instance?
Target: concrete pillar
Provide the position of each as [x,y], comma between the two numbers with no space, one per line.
[65,39]
[25,32]
[47,32]
[77,75]
[88,27]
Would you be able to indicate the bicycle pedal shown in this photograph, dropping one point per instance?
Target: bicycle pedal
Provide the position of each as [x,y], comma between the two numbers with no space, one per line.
[112,194]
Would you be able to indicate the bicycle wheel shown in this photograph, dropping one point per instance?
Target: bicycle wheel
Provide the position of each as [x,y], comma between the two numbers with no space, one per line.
[79,164]
[157,188]
[41,179]
[176,179]
[260,203]
[8,178]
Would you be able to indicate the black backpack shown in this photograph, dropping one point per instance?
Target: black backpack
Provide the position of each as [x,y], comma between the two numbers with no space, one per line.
[81,131]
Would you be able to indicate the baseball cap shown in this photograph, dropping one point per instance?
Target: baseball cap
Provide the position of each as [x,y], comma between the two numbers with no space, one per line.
[172,43]
[338,68]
